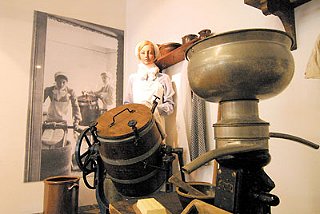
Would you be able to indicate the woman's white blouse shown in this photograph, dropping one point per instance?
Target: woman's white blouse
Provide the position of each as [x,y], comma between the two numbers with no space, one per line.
[144,86]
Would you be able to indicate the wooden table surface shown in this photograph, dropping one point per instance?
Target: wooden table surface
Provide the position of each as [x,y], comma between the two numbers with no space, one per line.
[169,200]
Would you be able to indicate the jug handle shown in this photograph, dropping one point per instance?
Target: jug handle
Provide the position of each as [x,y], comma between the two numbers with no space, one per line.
[114,117]
[73,186]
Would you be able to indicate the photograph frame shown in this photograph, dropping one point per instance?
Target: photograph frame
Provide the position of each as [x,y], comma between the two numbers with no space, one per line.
[37,75]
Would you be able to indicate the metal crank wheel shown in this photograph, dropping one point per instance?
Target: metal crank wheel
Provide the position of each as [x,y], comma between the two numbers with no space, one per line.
[87,157]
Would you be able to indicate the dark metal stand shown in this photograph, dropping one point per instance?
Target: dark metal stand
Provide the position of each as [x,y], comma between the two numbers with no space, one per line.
[167,160]
[242,185]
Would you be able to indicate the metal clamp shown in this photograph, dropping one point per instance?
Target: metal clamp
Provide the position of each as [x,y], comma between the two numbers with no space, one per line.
[132,124]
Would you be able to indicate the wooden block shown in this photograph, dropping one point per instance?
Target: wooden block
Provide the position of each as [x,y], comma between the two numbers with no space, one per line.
[203,208]
[150,206]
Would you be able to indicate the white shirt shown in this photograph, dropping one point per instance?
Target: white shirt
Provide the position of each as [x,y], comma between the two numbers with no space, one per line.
[147,82]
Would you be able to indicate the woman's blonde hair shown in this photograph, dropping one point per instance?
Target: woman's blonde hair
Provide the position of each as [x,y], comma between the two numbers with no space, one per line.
[141,44]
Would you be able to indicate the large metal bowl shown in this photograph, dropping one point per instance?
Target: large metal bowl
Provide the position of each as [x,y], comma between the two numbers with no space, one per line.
[243,64]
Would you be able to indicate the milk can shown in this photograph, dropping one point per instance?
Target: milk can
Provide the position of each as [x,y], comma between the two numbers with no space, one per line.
[61,195]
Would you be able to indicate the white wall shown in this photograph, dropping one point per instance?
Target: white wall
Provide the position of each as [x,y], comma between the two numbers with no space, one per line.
[16,21]
[294,168]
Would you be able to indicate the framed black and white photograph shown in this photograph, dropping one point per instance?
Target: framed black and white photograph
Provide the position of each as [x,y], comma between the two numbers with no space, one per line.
[76,75]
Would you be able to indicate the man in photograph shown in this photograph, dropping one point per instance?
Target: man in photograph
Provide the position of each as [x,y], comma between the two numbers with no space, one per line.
[105,92]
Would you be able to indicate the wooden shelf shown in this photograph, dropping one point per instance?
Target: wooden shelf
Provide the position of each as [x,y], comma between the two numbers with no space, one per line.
[173,57]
